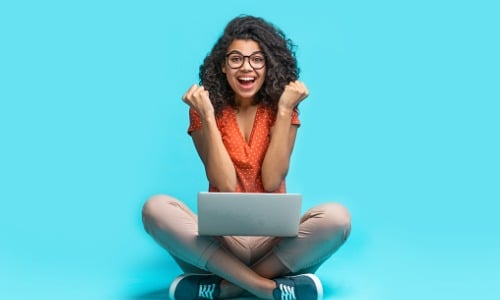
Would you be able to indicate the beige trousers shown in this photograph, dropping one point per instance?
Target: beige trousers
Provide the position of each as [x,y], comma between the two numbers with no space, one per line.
[323,229]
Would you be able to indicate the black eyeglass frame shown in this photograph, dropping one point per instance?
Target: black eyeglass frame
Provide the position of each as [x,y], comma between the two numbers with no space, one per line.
[243,60]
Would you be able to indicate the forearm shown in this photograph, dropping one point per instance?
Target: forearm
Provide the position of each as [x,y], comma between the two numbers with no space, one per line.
[218,165]
[208,141]
[277,160]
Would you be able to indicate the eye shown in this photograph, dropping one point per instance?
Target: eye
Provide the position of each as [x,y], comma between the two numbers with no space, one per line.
[258,59]
[235,58]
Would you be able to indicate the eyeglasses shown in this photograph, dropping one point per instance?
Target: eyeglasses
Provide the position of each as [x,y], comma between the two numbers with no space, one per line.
[236,59]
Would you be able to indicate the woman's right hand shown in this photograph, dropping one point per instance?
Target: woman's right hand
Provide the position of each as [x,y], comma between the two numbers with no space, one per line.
[197,98]
[208,141]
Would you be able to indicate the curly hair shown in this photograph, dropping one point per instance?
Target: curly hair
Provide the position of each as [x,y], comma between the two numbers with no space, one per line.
[281,63]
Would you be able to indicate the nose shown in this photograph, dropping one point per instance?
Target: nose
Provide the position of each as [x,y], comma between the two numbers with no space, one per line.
[246,64]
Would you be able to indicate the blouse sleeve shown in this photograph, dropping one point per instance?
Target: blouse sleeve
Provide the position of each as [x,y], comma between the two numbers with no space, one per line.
[295,117]
[194,121]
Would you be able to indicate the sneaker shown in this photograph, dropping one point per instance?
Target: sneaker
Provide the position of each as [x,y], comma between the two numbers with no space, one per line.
[195,287]
[300,287]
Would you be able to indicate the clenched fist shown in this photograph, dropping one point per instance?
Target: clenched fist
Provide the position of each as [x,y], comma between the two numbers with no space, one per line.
[294,93]
[197,98]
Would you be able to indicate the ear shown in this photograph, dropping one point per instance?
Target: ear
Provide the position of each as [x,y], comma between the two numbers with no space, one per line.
[223,68]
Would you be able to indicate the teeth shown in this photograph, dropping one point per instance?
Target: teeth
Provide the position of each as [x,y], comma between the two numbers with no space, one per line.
[246,78]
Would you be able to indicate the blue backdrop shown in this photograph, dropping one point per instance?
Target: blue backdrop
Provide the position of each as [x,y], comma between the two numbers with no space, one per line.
[402,126]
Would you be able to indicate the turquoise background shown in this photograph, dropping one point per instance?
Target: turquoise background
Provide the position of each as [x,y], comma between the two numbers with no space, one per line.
[402,126]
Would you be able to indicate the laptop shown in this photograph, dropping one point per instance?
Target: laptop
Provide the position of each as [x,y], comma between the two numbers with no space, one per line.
[249,214]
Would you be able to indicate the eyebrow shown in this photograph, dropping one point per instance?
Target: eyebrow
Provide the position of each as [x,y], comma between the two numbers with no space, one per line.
[238,52]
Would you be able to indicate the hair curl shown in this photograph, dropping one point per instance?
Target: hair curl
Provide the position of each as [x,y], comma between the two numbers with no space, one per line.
[281,63]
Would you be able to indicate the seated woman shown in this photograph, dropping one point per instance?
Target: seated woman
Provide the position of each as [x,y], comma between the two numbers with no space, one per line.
[243,122]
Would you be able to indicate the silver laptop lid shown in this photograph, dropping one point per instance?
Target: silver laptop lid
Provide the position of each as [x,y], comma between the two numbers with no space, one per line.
[252,214]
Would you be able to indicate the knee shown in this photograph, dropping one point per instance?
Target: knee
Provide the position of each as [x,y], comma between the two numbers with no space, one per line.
[152,208]
[339,214]
[338,219]
[152,205]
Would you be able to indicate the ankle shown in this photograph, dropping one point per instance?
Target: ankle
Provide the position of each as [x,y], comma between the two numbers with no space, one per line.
[229,290]
[266,289]
[263,291]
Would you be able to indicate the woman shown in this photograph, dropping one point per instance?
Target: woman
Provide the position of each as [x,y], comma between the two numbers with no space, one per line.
[243,122]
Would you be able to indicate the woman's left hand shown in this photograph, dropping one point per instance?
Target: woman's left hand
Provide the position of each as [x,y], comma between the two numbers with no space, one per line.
[294,93]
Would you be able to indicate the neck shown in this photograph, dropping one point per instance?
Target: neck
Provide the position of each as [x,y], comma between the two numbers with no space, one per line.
[244,103]
[244,108]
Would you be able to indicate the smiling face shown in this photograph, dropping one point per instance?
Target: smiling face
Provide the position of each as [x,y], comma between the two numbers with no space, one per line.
[245,80]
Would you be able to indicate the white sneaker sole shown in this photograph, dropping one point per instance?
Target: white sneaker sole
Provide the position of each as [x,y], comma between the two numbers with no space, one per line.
[317,283]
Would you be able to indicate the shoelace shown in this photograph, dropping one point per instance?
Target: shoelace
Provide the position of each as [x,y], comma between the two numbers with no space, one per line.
[287,292]
[206,291]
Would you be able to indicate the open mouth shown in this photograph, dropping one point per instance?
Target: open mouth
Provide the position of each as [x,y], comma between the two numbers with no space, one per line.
[246,80]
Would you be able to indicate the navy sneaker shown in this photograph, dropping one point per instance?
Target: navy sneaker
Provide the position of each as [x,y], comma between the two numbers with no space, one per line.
[300,287]
[195,287]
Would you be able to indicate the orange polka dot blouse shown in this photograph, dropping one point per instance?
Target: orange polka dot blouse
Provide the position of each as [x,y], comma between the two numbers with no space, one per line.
[247,157]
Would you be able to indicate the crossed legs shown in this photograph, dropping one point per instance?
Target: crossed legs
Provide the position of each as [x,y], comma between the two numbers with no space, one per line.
[322,231]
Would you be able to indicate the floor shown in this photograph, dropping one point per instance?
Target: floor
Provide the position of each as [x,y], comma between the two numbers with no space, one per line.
[380,261]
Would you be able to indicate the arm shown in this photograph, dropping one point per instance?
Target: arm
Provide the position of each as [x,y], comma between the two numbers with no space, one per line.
[277,159]
[208,142]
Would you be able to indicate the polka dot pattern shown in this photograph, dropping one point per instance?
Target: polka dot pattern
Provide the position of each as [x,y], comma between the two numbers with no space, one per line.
[248,156]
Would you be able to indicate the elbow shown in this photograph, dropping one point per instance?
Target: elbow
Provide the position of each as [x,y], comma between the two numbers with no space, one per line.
[225,184]
[269,188]
[273,175]
[226,187]
[272,183]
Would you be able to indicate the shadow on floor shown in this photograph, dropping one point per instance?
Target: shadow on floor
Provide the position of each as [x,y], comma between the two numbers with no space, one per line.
[152,295]
[163,295]
[329,291]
